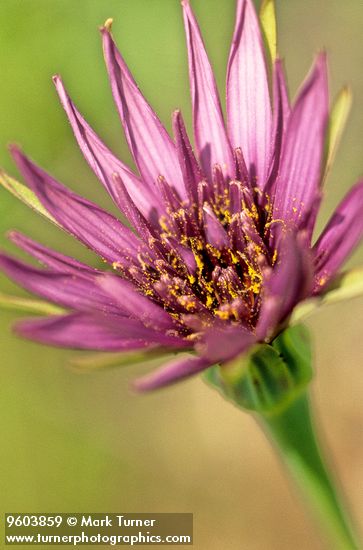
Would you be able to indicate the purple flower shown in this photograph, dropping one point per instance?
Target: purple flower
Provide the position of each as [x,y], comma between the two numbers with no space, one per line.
[221,250]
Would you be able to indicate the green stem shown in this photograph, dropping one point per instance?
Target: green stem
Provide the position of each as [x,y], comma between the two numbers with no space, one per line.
[292,431]
[272,381]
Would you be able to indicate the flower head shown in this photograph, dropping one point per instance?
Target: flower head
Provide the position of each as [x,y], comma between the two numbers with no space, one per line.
[221,247]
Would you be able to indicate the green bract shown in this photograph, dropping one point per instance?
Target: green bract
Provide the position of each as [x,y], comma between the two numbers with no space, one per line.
[271,376]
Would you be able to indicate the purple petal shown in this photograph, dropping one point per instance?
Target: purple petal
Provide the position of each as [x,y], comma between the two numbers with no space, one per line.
[135,304]
[77,330]
[342,233]
[281,114]
[214,230]
[172,372]
[222,343]
[241,172]
[281,94]
[186,255]
[49,257]
[101,332]
[189,166]
[102,161]
[289,282]
[248,98]
[132,213]
[70,289]
[302,155]
[209,129]
[96,228]
[152,148]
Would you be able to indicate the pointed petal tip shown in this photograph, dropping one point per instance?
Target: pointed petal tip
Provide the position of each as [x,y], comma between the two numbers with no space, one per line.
[347,92]
[249,113]
[178,369]
[18,155]
[279,61]
[14,148]
[152,148]
[59,85]
[138,386]
[60,88]
[16,152]
[21,328]
[12,235]
[211,139]
[321,60]
[107,26]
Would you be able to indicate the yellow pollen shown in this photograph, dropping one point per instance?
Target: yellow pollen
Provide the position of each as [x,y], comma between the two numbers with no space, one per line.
[198,261]
[209,301]
[142,262]
[224,315]
[164,225]
[233,256]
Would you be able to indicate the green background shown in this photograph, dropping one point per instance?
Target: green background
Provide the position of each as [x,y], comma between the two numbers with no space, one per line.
[74,442]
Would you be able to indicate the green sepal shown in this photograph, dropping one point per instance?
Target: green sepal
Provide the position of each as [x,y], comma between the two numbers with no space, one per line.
[269,29]
[15,303]
[270,377]
[26,195]
[100,360]
[337,121]
[346,286]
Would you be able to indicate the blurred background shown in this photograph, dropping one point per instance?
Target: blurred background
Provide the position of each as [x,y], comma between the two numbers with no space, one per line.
[75,442]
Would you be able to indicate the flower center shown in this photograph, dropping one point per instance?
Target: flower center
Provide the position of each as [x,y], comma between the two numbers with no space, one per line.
[213,255]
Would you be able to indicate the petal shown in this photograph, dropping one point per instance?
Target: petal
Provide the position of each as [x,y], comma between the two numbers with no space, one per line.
[135,304]
[192,173]
[185,254]
[88,331]
[48,257]
[132,213]
[281,113]
[223,343]
[214,231]
[77,330]
[102,161]
[301,163]
[67,289]
[281,92]
[152,148]
[172,372]
[342,233]
[248,98]
[209,129]
[288,283]
[96,228]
